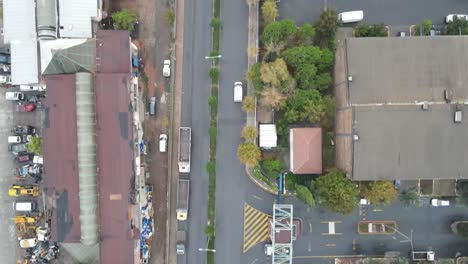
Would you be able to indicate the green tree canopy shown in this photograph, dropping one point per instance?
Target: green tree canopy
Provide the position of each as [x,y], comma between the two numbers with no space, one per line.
[306,34]
[279,31]
[325,29]
[409,198]
[457,27]
[35,145]
[249,154]
[366,30]
[272,167]
[305,105]
[248,104]
[305,195]
[124,19]
[336,192]
[269,11]
[379,192]
[310,66]
[254,76]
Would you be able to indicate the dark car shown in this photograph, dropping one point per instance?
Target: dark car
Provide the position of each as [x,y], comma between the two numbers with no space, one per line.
[24,157]
[24,130]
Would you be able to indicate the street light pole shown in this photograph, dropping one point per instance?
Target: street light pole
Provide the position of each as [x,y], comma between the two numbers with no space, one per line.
[207,249]
[408,239]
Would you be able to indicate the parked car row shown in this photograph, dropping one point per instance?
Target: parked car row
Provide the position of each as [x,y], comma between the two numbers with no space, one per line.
[25,103]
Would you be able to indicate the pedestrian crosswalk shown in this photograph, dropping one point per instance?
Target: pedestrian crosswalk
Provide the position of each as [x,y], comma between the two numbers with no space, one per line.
[255,227]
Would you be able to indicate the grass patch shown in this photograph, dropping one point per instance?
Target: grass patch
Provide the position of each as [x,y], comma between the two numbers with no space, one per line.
[364,227]
[258,175]
[210,256]
[170,18]
[328,151]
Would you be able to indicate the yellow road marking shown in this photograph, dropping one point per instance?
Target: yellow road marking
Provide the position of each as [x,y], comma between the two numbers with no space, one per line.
[255,227]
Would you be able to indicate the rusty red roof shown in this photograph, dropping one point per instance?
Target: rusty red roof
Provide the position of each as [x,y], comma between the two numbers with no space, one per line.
[306,150]
[115,163]
[60,157]
[113,51]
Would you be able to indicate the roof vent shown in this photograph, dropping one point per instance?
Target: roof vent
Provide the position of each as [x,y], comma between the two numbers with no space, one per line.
[355,137]
[350,78]
[425,106]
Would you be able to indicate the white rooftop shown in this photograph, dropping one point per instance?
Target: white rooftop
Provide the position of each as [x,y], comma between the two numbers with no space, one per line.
[75,18]
[24,65]
[267,134]
[19,20]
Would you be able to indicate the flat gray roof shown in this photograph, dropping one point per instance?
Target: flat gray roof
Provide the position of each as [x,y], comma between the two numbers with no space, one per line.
[391,77]
[406,142]
[408,69]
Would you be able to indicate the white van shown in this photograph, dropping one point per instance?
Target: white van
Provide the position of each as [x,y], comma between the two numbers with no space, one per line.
[238,92]
[25,206]
[162,143]
[14,139]
[14,96]
[351,16]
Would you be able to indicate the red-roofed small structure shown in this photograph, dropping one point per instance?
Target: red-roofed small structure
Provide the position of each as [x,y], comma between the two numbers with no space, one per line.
[306,150]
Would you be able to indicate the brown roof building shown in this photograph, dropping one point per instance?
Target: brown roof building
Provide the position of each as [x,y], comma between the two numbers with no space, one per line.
[306,150]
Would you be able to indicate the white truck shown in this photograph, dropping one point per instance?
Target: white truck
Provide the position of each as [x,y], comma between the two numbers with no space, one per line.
[185,141]
[423,255]
[183,192]
[167,68]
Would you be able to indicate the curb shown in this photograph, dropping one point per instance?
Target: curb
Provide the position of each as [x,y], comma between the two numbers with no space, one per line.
[257,182]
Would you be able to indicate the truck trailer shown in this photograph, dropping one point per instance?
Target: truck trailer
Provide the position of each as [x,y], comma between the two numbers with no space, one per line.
[185,141]
[183,190]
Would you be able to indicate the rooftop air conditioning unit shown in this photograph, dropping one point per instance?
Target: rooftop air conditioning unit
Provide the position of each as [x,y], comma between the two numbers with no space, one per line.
[350,78]
[458,116]
[356,137]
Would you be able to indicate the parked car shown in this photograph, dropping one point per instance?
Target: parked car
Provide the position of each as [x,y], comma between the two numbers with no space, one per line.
[30,88]
[24,157]
[17,148]
[167,68]
[450,17]
[238,92]
[14,96]
[15,139]
[439,202]
[26,107]
[152,105]
[5,79]
[162,143]
[5,58]
[24,130]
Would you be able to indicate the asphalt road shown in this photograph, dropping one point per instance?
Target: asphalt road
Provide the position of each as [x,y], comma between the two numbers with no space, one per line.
[392,13]
[195,114]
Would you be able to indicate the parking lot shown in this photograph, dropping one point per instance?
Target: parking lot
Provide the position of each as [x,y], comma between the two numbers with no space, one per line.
[9,249]
[397,14]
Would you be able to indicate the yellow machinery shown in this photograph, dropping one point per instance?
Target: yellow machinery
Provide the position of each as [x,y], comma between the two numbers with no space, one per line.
[19,190]
[26,226]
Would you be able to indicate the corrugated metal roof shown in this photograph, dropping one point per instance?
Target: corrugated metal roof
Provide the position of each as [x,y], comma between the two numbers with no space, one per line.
[86,134]
[75,18]
[24,65]
[19,20]
[267,136]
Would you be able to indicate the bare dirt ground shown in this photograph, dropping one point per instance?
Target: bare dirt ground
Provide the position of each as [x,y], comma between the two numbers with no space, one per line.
[154,42]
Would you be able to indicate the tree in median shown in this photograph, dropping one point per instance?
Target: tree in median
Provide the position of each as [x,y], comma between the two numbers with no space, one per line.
[325,29]
[124,19]
[248,104]
[269,11]
[336,192]
[253,75]
[379,192]
[249,133]
[304,194]
[249,154]
[35,145]
[457,27]
[279,31]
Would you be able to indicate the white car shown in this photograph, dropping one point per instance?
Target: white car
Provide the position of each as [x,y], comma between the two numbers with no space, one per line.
[14,96]
[450,17]
[238,92]
[167,68]
[439,202]
[162,143]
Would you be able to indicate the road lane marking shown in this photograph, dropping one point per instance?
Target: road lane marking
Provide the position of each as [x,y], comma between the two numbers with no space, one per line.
[310,228]
[255,227]
[326,222]
[343,256]
[330,245]
[309,246]
[258,198]
[377,210]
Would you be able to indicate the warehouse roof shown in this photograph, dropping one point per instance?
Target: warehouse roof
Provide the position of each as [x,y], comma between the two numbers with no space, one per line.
[389,81]
[75,18]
